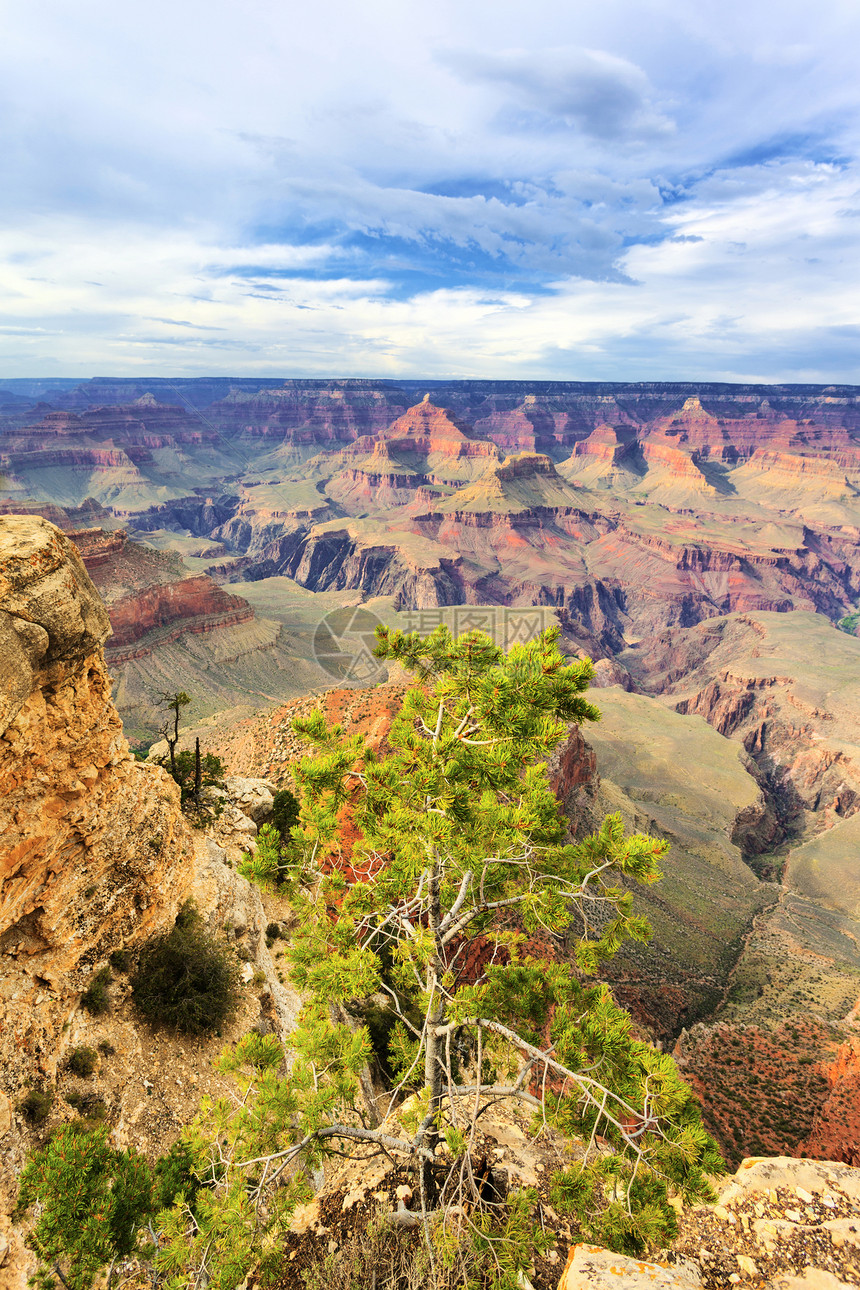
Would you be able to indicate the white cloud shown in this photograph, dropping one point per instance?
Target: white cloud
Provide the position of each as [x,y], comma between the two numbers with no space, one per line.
[605,96]
[199,186]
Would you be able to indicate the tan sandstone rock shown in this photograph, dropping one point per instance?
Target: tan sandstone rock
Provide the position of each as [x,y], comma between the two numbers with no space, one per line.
[94,851]
[590,1267]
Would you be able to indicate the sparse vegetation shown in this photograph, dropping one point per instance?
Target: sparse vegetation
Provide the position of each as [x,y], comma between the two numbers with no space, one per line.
[36,1105]
[187,979]
[174,701]
[750,1076]
[96,998]
[82,1061]
[88,1105]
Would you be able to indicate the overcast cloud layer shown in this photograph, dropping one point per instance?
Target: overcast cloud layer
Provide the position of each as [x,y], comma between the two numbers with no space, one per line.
[570,189]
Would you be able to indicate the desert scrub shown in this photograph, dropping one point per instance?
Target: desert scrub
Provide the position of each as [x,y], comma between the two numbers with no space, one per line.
[96,998]
[36,1105]
[285,813]
[187,978]
[88,1105]
[82,1061]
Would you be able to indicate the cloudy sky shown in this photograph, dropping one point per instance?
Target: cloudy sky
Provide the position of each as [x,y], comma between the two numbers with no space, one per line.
[571,189]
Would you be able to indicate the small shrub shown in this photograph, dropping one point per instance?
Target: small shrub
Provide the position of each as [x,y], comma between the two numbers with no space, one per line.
[106,1049]
[186,979]
[273,931]
[96,998]
[285,812]
[121,960]
[89,1105]
[211,776]
[82,1061]
[36,1105]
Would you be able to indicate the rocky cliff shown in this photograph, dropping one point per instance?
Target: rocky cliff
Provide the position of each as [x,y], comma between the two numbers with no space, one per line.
[94,851]
[145,619]
[95,857]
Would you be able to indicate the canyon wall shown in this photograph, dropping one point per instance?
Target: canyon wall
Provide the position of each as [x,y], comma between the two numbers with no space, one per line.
[94,851]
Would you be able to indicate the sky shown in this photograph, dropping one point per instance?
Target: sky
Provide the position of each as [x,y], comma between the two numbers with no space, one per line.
[547,189]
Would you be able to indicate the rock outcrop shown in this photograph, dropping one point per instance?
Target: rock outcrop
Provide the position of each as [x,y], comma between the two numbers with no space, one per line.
[779,1223]
[94,851]
[191,605]
[96,857]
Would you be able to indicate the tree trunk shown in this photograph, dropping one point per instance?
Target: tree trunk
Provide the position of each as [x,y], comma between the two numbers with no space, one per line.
[171,743]
[198,773]
[432,1051]
[340,1016]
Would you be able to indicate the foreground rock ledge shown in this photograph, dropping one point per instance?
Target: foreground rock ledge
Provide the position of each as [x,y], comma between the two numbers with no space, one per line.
[779,1224]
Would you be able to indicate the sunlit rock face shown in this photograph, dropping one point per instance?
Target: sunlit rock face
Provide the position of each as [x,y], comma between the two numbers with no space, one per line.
[93,850]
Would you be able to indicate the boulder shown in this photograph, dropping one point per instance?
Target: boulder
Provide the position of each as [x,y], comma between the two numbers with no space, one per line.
[590,1267]
[253,797]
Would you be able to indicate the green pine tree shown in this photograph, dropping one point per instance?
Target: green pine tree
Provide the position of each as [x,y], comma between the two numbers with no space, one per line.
[457,842]
[92,1201]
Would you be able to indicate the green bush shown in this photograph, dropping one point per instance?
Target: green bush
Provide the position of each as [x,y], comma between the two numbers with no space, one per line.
[187,978]
[211,773]
[175,1173]
[36,1105]
[89,1105]
[92,1201]
[83,1060]
[96,998]
[285,812]
[273,864]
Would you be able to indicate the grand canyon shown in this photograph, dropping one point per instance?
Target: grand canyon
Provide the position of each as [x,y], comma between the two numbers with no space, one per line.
[700,543]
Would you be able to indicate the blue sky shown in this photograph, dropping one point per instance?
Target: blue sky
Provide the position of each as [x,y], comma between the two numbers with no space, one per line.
[584,190]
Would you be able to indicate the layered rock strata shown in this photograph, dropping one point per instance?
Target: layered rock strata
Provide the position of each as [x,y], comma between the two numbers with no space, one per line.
[94,852]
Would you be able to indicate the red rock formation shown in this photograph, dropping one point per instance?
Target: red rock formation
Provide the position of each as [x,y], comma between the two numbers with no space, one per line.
[428,430]
[731,437]
[308,412]
[192,605]
[607,443]
[835,1133]
[683,465]
[98,546]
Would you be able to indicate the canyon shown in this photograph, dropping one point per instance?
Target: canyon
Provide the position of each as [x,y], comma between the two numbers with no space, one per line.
[701,543]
